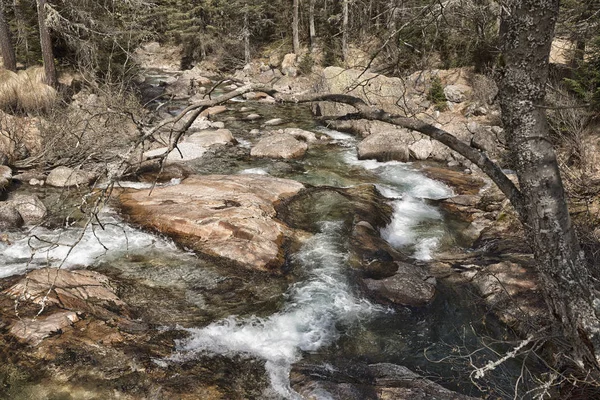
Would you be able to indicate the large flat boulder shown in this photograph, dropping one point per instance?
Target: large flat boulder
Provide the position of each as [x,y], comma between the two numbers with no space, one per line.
[228,216]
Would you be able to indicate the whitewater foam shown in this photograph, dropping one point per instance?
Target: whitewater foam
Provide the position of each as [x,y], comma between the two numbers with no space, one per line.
[307,322]
[70,247]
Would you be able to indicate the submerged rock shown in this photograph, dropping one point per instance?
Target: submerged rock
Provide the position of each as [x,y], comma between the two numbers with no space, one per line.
[314,205]
[371,254]
[229,216]
[356,381]
[409,286]
[279,146]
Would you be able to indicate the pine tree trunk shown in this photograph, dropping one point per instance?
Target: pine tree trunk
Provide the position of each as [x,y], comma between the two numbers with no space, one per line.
[311,24]
[526,34]
[46,44]
[345,30]
[246,34]
[295,33]
[6,48]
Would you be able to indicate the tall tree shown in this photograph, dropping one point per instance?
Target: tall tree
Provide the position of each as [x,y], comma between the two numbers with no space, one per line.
[345,18]
[246,35]
[46,44]
[312,32]
[527,31]
[6,47]
[295,23]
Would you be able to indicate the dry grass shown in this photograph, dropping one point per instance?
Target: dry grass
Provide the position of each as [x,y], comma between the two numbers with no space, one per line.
[26,91]
[8,93]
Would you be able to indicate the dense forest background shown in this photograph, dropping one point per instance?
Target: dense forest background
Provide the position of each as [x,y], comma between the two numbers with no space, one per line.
[400,36]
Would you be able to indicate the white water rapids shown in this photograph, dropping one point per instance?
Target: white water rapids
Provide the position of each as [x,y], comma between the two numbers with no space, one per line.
[306,323]
[71,247]
[317,305]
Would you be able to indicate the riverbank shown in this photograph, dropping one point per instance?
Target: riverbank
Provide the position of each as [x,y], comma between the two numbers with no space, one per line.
[304,257]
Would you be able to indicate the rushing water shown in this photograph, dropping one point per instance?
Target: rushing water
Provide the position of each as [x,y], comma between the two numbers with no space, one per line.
[323,300]
[320,315]
[315,307]
[72,247]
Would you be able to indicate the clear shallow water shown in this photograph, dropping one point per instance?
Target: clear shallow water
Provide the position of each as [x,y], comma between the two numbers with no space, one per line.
[321,315]
[415,224]
[315,306]
[323,301]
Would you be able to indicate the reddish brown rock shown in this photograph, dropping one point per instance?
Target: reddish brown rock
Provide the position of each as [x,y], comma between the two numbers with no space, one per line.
[229,216]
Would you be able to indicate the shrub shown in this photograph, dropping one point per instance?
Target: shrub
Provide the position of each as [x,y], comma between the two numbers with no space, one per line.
[436,94]
[306,64]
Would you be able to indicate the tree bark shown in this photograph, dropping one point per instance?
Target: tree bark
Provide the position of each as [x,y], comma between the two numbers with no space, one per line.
[295,33]
[246,34]
[6,47]
[527,31]
[312,32]
[46,44]
[345,12]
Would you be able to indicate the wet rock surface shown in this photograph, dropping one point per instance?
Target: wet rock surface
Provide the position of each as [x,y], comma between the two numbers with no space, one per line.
[410,285]
[225,216]
[362,381]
